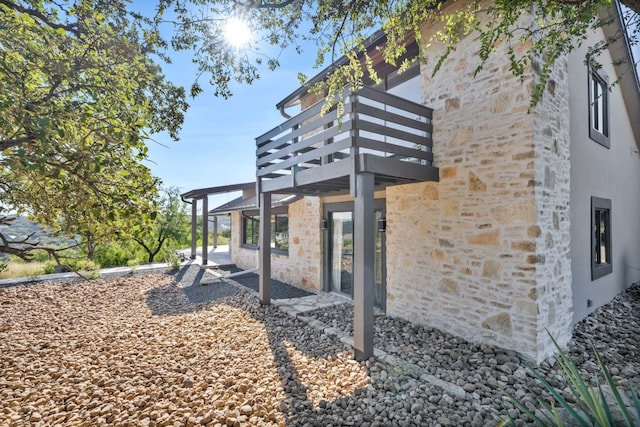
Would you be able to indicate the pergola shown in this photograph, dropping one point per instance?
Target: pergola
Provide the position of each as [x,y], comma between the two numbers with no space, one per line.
[203,194]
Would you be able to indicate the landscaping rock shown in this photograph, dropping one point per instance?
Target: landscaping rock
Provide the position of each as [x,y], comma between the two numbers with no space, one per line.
[148,350]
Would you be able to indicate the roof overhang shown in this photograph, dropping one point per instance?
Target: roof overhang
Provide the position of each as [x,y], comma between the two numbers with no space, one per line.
[251,203]
[379,38]
[201,193]
[629,81]
[376,39]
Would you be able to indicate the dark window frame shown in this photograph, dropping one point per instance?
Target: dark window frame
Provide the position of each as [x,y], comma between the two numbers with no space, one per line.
[254,216]
[599,98]
[246,220]
[601,212]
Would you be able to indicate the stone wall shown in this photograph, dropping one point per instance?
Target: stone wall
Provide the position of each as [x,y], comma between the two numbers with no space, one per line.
[552,143]
[484,253]
[244,258]
[303,265]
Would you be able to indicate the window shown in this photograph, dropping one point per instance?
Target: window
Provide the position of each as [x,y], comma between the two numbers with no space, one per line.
[279,231]
[600,237]
[599,107]
[251,230]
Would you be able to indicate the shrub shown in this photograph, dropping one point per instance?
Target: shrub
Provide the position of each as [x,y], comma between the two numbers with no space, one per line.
[41,256]
[88,268]
[49,268]
[84,265]
[112,254]
[222,239]
[172,259]
[133,264]
[592,408]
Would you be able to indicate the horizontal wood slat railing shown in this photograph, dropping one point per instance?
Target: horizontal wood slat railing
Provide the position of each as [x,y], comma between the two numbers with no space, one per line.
[374,123]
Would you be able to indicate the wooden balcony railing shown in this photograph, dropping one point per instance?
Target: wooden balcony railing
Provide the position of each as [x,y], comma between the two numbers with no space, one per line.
[378,132]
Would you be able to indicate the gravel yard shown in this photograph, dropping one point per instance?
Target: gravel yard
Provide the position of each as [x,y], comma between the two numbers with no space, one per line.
[161,350]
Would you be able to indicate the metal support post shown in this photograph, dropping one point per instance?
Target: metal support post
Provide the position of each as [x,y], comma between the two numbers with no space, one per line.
[265,249]
[215,231]
[205,230]
[363,270]
[194,227]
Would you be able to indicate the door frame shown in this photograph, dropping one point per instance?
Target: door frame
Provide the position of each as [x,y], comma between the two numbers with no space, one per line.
[327,209]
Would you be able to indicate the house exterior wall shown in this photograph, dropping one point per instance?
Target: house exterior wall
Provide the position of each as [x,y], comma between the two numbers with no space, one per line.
[607,173]
[499,250]
[484,253]
[303,264]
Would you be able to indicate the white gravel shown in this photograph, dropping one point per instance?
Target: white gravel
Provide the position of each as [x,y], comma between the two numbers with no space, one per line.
[155,350]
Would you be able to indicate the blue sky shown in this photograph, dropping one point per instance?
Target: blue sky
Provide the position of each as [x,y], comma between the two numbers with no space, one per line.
[217,144]
[217,141]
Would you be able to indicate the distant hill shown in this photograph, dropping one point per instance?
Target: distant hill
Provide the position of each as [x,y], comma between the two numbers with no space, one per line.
[224,223]
[21,227]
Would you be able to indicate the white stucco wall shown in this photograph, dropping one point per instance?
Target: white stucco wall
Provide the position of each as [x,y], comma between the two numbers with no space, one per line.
[607,173]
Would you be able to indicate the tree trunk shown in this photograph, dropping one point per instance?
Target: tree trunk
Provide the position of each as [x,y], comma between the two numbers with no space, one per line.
[153,254]
[90,247]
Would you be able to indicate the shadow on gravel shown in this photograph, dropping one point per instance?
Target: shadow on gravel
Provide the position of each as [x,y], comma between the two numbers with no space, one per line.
[279,290]
[322,384]
[185,294]
[325,386]
[188,295]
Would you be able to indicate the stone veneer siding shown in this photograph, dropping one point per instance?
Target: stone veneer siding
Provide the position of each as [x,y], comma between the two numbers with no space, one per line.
[303,265]
[484,253]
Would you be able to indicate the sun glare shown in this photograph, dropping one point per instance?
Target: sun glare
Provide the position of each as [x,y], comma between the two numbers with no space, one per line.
[236,32]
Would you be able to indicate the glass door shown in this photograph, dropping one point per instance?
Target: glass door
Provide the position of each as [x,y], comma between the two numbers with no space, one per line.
[379,263]
[339,253]
[342,252]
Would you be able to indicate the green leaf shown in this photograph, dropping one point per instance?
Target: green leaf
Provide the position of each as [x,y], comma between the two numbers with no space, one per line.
[614,389]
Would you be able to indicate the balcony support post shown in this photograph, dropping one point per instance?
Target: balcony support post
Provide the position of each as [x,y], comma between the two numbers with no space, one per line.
[215,231]
[205,230]
[194,227]
[264,290]
[363,271]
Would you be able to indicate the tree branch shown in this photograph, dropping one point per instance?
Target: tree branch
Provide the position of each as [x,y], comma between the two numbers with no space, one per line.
[14,142]
[261,5]
[72,28]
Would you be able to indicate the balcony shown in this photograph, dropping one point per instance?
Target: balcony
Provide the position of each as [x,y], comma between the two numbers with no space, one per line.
[379,133]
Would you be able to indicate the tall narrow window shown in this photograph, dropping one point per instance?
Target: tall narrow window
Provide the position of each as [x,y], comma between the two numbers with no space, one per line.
[601,264]
[599,107]
[280,232]
[251,230]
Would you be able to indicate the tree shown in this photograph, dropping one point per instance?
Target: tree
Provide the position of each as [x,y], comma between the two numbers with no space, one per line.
[171,224]
[81,91]
[82,86]
[341,28]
